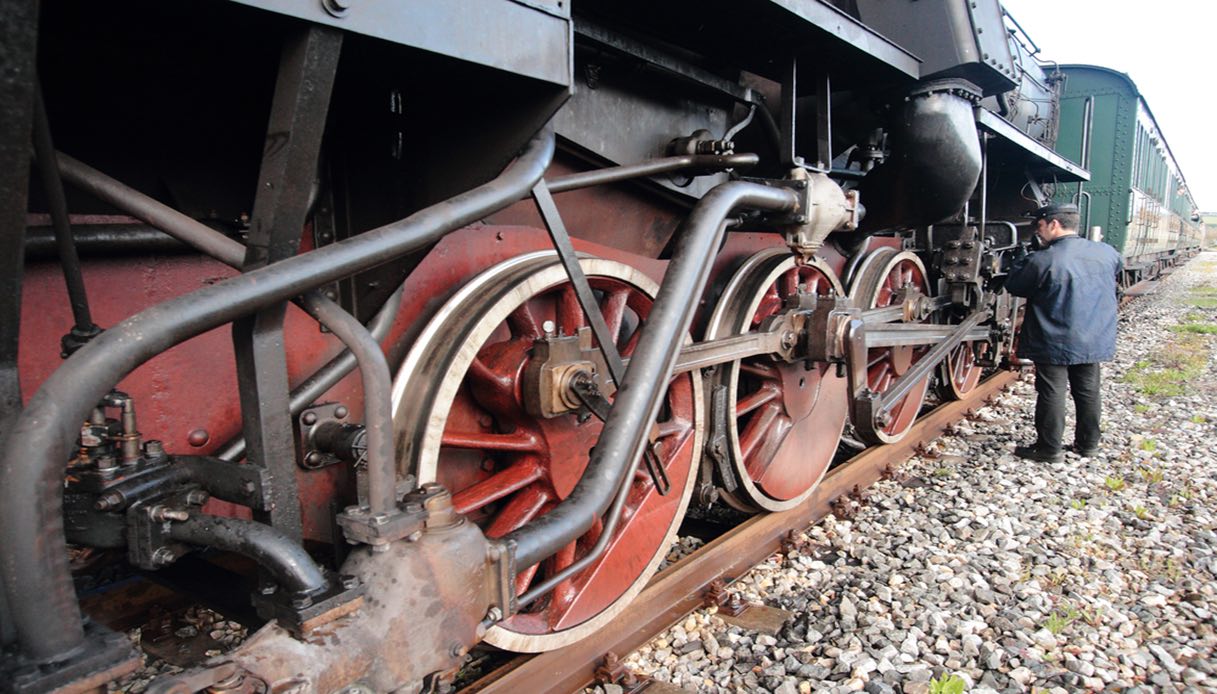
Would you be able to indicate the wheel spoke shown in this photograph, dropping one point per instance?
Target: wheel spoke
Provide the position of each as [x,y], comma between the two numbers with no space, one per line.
[876,357]
[671,427]
[524,579]
[518,442]
[884,381]
[592,536]
[570,314]
[756,428]
[766,393]
[790,282]
[771,303]
[523,507]
[759,463]
[613,309]
[760,370]
[482,377]
[565,592]
[497,486]
[875,375]
[522,323]
[632,343]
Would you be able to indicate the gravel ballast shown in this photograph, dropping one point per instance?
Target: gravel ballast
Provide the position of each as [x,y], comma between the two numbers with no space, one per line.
[1005,575]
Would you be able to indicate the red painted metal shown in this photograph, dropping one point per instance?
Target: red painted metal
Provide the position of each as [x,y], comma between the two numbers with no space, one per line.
[886,364]
[961,370]
[789,416]
[192,387]
[614,214]
[506,466]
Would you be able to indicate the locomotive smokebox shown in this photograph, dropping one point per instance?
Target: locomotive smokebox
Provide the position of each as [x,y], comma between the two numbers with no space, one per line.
[935,158]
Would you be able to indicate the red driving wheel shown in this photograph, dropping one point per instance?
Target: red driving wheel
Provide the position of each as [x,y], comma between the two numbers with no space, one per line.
[785,419]
[472,432]
[881,281]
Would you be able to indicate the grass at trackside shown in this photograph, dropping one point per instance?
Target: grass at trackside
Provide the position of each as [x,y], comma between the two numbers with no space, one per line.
[1203,297]
[1167,370]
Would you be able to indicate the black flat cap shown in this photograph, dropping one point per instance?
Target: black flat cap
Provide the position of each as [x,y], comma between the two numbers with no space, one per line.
[1054,209]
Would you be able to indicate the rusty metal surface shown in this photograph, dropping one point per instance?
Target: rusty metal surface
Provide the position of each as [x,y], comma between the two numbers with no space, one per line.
[762,618]
[680,588]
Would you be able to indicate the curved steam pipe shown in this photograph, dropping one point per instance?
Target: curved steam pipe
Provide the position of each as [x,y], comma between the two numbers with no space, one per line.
[291,566]
[377,386]
[639,397]
[34,557]
[313,387]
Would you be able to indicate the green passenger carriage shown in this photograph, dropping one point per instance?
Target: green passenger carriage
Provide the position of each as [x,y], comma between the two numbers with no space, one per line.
[1137,199]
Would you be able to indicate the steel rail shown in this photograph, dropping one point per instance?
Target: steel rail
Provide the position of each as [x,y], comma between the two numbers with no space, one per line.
[680,588]
[33,558]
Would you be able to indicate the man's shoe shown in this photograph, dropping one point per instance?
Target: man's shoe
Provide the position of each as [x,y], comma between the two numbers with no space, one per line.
[1034,453]
[1087,452]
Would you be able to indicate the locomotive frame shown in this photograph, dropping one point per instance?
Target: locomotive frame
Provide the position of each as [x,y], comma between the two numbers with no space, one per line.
[596,319]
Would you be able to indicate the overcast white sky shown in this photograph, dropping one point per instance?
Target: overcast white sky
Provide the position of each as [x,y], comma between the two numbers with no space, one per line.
[1168,47]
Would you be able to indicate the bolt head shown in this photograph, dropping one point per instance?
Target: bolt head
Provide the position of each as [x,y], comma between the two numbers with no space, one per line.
[336,8]
[309,418]
[198,438]
[341,412]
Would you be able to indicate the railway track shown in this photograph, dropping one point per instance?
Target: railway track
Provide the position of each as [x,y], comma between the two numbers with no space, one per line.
[697,579]
[681,588]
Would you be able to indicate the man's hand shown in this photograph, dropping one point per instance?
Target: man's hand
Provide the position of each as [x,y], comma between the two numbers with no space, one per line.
[1013,257]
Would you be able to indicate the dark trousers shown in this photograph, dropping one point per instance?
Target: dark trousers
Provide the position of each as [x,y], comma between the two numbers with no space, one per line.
[1050,380]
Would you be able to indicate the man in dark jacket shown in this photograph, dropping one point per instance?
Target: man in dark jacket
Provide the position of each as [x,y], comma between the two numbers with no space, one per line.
[1068,328]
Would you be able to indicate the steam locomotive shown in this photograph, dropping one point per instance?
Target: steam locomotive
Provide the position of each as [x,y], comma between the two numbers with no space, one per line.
[405,326]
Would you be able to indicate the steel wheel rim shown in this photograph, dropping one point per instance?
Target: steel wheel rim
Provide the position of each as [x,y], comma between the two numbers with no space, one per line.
[499,291]
[762,279]
[877,278]
[960,372]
